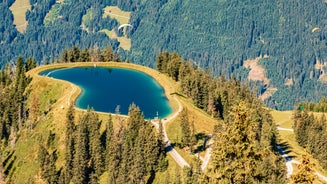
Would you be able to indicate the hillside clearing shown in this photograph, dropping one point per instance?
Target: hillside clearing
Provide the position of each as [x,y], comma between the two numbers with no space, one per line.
[54,96]
[115,12]
[122,17]
[284,120]
[258,73]
[19,9]
[124,43]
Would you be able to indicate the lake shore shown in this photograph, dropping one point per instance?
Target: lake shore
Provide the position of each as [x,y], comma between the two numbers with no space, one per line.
[168,84]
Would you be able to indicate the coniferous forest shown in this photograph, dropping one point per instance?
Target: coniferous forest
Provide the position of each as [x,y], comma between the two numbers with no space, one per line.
[310,132]
[133,152]
[203,46]
[289,36]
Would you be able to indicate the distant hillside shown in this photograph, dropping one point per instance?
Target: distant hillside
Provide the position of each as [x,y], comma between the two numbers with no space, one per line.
[287,37]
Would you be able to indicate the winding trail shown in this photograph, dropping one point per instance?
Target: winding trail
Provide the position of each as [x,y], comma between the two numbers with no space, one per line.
[205,160]
[71,94]
[170,149]
[289,160]
[285,129]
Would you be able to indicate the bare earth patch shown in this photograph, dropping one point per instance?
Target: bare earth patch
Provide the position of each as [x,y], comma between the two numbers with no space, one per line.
[258,73]
[19,9]
[321,66]
[288,82]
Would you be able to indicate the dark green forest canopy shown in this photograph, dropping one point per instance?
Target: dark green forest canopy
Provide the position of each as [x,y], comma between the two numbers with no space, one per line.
[218,35]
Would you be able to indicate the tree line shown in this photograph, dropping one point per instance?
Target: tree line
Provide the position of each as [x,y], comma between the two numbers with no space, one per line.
[89,55]
[13,105]
[131,153]
[244,149]
[310,132]
[320,106]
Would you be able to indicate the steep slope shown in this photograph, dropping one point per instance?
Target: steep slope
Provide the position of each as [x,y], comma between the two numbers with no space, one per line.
[288,36]
[222,35]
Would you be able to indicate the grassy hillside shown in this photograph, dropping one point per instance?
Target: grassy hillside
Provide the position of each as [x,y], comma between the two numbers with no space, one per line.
[55,96]
[294,150]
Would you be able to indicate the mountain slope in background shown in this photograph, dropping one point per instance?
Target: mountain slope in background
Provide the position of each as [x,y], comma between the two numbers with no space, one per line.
[286,38]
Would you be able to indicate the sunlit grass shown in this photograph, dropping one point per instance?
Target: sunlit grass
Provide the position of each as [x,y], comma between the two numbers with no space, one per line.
[284,120]
[19,9]
[115,12]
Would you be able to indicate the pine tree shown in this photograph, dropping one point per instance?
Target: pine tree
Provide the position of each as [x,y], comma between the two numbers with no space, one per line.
[64,56]
[95,143]
[85,55]
[108,54]
[81,156]
[30,64]
[151,147]
[175,61]
[48,165]
[162,61]
[112,156]
[69,143]
[305,173]
[235,150]
[185,126]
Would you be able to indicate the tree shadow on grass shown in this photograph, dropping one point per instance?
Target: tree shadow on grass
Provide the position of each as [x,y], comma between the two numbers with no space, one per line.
[284,149]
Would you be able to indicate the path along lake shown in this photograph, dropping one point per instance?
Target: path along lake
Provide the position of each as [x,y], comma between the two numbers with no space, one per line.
[105,89]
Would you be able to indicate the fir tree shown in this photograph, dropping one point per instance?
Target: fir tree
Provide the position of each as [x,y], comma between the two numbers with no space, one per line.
[108,54]
[81,156]
[95,143]
[305,173]
[236,150]
[185,126]
[69,143]
[112,156]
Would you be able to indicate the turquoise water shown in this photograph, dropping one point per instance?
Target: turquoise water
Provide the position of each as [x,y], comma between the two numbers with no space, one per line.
[106,88]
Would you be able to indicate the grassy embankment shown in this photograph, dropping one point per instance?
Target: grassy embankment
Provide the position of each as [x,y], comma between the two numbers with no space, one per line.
[123,18]
[284,120]
[54,97]
[19,9]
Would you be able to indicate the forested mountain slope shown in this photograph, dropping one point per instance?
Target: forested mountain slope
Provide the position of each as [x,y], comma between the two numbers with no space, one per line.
[287,37]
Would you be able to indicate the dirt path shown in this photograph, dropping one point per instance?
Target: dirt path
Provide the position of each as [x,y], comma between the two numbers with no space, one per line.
[170,149]
[289,160]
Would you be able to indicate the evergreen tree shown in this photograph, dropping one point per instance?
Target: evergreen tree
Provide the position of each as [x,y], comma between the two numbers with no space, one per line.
[108,54]
[81,156]
[162,61]
[305,173]
[69,143]
[48,165]
[175,61]
[236,150]
[185,126]
[85,55]
[95,143]
[112,156]
[64,56]
[30,64]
